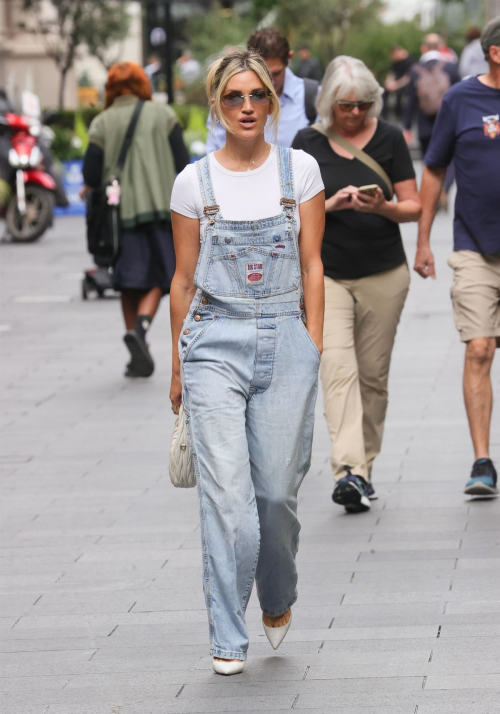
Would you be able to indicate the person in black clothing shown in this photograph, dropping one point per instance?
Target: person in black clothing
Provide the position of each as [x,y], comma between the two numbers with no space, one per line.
[308,67]
[366,275]
[398,78]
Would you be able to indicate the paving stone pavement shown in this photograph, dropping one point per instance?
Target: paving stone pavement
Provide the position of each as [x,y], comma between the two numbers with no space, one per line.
[101,603]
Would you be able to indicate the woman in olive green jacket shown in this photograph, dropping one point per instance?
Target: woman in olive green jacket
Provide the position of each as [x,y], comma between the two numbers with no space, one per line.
[146,263]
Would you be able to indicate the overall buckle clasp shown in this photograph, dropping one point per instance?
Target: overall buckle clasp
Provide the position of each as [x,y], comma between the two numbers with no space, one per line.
[289,205]
[211,212]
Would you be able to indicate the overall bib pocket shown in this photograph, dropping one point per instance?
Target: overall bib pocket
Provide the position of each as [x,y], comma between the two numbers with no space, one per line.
[253,271]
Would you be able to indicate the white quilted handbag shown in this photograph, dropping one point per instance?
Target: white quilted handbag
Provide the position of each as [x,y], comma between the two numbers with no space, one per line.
[180,466]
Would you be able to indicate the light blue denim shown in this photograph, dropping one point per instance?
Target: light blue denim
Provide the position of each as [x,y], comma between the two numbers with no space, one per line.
[250,376]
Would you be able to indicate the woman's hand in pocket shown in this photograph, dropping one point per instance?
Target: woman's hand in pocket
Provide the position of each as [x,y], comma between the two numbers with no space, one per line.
[176,391]
[318,340]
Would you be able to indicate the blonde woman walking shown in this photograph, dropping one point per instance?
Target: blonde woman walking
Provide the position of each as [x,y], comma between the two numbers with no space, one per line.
[247,316]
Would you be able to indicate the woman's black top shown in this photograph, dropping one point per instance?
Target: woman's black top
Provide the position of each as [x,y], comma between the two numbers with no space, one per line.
[359,244]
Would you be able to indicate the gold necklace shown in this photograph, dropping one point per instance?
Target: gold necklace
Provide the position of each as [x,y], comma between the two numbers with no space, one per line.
[248,167]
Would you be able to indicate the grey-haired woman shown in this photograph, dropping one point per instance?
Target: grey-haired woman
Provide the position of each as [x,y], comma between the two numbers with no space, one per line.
[366,275]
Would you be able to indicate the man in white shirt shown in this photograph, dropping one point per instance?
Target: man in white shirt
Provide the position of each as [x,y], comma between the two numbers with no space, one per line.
[297,95]
[472,60]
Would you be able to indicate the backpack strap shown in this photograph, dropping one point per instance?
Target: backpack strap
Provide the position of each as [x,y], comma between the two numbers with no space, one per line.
[358,153]
[311,87]
[129,136]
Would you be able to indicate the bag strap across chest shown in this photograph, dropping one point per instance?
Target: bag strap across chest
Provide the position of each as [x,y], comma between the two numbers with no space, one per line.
[127,141]
[361,155]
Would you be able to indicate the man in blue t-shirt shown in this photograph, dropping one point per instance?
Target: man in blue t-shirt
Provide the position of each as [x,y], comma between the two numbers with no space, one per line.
[467,131]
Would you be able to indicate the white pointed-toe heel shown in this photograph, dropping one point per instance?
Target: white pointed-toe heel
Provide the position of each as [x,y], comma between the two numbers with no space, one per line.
[276,635]
[227,666]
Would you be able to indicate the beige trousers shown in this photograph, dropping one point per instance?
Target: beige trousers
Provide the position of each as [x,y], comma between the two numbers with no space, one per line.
[361,319]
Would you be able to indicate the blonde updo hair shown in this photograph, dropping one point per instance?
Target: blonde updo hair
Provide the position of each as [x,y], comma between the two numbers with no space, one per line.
[345,75]
[238,59]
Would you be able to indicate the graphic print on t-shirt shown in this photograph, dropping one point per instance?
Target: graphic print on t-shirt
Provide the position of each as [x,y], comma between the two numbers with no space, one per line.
[255,273]
[491,126]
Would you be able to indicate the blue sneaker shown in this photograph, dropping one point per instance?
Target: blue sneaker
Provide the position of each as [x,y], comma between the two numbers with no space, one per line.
[483,479]
[351,493]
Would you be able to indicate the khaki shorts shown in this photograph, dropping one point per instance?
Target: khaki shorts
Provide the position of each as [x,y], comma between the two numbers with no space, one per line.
[475,294]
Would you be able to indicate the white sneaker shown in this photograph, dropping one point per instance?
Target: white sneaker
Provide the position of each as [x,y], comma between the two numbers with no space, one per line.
[227,666]
[276,635]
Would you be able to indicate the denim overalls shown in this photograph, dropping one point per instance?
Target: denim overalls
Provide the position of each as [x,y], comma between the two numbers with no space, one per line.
[249,374]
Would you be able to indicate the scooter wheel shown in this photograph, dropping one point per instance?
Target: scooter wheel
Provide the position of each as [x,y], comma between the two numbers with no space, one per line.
[84,289]
[36,220]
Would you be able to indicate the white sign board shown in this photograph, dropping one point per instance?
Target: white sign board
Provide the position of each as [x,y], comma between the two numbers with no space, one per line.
[30,105]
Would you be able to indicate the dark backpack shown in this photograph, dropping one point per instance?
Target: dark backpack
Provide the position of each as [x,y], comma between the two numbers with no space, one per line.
[431,85]
[311,87]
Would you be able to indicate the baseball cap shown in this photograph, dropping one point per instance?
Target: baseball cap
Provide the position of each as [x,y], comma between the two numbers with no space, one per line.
[491,35]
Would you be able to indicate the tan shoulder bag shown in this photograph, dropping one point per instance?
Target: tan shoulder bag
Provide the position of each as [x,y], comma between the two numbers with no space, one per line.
[358,153]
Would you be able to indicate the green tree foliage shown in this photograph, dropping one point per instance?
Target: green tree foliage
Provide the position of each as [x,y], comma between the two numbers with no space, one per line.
[325,24]
[80,131]
[73,23]
[211,32]
[104,26]
[260,8]
[374,43]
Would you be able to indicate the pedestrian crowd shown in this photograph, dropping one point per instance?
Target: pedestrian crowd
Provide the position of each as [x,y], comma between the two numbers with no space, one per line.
[289,264]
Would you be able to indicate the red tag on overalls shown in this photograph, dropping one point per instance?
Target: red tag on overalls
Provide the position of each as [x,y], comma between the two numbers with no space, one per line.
[255,273]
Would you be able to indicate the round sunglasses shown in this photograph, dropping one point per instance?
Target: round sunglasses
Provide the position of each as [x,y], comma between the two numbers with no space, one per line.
[349,106]
[235,99]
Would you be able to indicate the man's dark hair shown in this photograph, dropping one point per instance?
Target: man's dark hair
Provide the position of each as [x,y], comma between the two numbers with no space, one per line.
[269,43]
[473,33]
[490,36]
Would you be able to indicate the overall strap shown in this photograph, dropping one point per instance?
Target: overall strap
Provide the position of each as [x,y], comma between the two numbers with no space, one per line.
[210,207]
[285,170]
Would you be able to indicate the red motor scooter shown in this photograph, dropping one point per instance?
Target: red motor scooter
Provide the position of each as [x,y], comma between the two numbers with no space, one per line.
[31,209]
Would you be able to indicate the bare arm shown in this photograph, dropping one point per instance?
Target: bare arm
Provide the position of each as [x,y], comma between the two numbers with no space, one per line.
[312,222]
[432,184]
[182,290]
[392,84]
[407,208]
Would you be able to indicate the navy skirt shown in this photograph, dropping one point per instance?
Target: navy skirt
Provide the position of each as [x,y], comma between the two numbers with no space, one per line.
[146,259]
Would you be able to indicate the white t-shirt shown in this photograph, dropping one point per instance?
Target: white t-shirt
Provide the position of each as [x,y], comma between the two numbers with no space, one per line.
[246,195]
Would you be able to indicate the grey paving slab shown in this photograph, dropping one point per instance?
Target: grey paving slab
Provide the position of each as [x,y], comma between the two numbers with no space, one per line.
[464,681]
[23,708]
[100,561]
[176,706]
[44,663]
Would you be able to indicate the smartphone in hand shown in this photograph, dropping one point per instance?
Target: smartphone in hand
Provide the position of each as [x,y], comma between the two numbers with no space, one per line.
[369,190]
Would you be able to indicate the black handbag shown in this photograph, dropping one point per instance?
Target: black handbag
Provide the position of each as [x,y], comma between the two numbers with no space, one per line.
[103,204]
